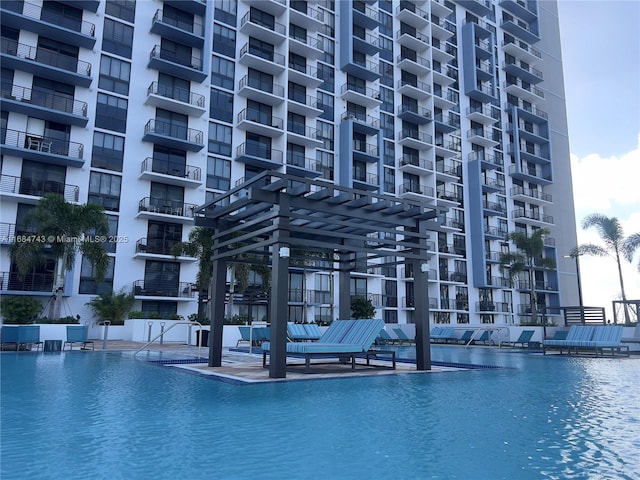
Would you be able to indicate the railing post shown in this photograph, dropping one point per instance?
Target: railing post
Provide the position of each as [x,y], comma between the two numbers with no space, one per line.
[105,335]
[149,334]
[162,332]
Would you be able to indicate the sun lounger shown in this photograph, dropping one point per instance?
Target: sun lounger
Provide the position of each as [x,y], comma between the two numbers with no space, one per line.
[245,335]
[578,334]
[18,335]
[443,334]
[485,337]
[297,333]
[402,337]
[344,339]
[635,338]
[607,337]
[313,331]
[466,336]
[525,337]
[77,334]
[384,338]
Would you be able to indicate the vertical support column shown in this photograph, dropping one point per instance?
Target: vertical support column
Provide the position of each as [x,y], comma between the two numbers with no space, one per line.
[216,310]
[344,287]
[421,298]
[279,300]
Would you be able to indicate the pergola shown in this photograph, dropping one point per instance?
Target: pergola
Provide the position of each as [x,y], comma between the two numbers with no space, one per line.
[280,220]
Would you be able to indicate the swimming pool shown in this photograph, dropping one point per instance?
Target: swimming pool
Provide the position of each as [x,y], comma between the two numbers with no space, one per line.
[105,415]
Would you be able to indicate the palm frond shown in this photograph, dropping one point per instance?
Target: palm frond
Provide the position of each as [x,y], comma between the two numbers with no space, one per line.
[630,245]
[592,249]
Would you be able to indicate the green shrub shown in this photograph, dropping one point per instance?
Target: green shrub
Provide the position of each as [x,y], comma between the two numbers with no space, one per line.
[61,320]
[112,307]
[134,314]
[19,310]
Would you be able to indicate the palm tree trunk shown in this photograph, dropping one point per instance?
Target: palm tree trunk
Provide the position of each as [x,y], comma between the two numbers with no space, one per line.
[627,320]
[231,292]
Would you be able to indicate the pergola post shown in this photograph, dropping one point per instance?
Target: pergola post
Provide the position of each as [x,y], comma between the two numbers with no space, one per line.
[279,302]
[216,311]
[344,286]
[421,299]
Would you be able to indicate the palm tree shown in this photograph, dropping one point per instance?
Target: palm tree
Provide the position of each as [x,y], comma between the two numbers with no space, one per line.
[526,258]
[64,228]
[615,244]
[112,307]
[200,246]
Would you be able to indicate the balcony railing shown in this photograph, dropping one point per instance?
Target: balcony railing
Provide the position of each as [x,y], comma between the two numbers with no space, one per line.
[409,187]
[190,27]
[168,129]
[29,282]
[416,110]
[422,86]
[419,136]
[366,91]
[532,215]
[157,246]
[173,57]
[38,187]
[46,57]
[257,117]
[166,207]
[361,118]
[532,193]
[416,162]
[175,93]
[364,147]
[44,99]
[366,177]
[275,27]
[55,146]
[259,151]
[274,88]
[174,169]
[36,11]
[146,288]
[272,57]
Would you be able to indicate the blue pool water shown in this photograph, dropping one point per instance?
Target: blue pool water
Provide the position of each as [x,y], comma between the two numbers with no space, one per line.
[105,415]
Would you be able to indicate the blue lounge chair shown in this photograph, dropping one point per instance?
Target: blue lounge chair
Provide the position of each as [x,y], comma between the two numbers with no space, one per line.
[484,337]
[348,339]
[10,336]
[577,334]
[444,334]
[297,333]
[525,337]
[384,338]
[466,336]
[402,337]
[313,331]
[77,334]
[606,338]
[245,335]
[30,335]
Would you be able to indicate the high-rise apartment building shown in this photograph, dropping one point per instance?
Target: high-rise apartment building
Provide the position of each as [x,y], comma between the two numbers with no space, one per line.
[151,108]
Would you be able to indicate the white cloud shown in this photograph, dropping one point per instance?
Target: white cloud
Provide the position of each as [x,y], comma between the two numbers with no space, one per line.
[609,186]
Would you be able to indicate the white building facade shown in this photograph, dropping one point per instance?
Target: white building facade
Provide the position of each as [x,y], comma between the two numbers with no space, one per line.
[151,108]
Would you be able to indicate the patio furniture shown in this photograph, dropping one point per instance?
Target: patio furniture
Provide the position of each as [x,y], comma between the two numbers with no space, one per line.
[402,337]
[525,337]
[77,334]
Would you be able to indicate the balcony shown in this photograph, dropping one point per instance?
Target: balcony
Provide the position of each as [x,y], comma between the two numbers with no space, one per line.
[43,149]
[524,90]
[449,171]
[274,33]
[414,64]
[304,16]
[302,134]
[365,15]
[175,99]
[415,191]
[485,306]
[495,233]
[408,13]
[13,282]
[447,122]
[481,136]
[479,7]
[365,42]
[173,135]
[365,152]
[365,181]
[261,156]
[492,257]
[414,89]
[306,105]
[413,40]
[45,63]
[306,75]
[489,161]
[441,28]
[362,123]
[485,114]
[414,139]
[90,5]
[43,104]
[444,75]
[482,92]
[532,195]
[494,208]
[528,112]
[533,217]
[415,165]
[185,33]
[364,96]
[253,121]
[272,63]
[165,210]
[520,29]
[445,99]
[164,289]
[268,94]
[414,114]
[189,68]
[158,248]
[309,47]
[493,185]
[522,51]
[523,70]
[522,8]
[536,133]
[7,233]
[533,153]
[363,67]
[534,174]
[186,176]
[197,7]
[303,166]
[448,198]
[27,190]
[32,17]
[443,52]
[319,297]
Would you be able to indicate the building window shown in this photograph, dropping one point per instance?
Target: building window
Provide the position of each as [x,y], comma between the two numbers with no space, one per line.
[218,173]
[260,80]
[220,139]
[169,161]
[161,278]
[114,75]
[224,40]
[111,113]
[389,180]
[178,53]
[225,11]
[327,75]
[123,9]
[108,151]
[261,49]
[172,124]
[386,95]
[325,164]
[222,72]
[221,106]
[88,283]
[295,155]
[174,87]
[38,179]
[328,46]
[386,70]
[104,190]
[166,197]
[163,309]
[297,62]
[117,38]
[161,237]
[325,133]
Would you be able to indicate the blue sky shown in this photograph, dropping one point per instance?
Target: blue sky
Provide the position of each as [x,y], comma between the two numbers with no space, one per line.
[601,58]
